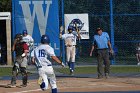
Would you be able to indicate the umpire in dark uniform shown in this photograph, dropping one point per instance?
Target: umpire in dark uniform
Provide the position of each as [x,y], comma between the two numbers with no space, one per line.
[102,45]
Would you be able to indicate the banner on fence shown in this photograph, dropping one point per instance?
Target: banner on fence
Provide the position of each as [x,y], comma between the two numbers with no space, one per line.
[81,20]
[38,17]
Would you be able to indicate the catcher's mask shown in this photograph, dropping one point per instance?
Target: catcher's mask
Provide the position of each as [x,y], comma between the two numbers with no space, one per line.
[18,37]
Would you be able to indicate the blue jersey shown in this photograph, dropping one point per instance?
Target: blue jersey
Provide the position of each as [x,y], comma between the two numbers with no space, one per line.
[101,41]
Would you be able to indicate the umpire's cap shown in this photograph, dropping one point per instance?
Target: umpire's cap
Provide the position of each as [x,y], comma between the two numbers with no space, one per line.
[24,32]
[98,29]
[45,39]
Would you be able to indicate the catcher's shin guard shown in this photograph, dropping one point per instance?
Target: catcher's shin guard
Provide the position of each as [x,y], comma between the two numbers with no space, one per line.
[24,80]
[14,74]
[13,80]
[24,75]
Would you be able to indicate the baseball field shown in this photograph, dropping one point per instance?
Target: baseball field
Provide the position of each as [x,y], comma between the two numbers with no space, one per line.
[123,79]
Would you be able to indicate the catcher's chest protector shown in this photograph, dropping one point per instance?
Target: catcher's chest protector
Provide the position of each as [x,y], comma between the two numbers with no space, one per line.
[19,49]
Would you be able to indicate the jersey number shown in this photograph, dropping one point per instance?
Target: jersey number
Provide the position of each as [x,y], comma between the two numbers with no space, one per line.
[41,53]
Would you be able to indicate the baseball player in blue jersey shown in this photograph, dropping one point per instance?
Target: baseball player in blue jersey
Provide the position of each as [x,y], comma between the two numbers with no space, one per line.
[70,43]
[40,57]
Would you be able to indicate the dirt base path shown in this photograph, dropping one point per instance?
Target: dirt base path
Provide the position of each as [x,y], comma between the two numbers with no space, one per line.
[72,84]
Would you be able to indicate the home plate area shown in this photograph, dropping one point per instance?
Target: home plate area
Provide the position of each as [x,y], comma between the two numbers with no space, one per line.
[79,85]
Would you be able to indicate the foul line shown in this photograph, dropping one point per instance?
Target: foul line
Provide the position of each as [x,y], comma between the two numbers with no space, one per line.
[26,91]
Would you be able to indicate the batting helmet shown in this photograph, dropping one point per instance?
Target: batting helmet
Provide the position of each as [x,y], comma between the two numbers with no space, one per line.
[45,39]
[70,28]
[24,32]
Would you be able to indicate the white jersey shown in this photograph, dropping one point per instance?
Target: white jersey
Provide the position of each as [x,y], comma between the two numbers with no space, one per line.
[70,38]
[28,39]
[42,53]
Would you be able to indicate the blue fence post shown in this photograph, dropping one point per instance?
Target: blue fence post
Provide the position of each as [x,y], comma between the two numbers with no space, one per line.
[112,27]
[63,44]
[13,25]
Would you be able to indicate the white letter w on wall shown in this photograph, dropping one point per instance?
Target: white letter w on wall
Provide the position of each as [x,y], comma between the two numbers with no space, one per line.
[38,12]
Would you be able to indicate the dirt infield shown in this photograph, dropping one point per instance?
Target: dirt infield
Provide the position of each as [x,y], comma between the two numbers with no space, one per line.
[73,84]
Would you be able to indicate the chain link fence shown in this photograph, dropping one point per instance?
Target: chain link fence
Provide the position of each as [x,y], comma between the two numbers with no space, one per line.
[126,19]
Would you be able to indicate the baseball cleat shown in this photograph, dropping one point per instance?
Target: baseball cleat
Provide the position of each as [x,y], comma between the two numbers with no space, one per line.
[10,86]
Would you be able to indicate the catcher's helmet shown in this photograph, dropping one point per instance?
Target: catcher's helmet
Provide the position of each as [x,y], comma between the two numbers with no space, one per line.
[18,36]
[45,39]
[24,32]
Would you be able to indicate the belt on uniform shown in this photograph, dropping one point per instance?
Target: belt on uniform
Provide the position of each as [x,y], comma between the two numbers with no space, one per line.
[103,49]
[41,66]
[70,45]
[49,65]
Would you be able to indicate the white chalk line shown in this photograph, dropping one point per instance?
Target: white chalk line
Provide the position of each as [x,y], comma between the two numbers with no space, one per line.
[26,91]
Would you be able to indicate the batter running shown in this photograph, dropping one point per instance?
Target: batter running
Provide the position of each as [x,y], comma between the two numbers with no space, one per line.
[40,56]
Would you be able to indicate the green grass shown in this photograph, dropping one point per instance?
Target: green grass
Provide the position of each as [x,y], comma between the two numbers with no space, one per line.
[5,71]
[93,70]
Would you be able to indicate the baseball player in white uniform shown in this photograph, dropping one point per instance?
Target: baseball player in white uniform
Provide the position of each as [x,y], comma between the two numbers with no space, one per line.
[30,42]
[70,43]
[40,56]
[26,37]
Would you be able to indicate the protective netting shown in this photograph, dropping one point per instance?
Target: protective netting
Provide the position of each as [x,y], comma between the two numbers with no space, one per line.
[126,19]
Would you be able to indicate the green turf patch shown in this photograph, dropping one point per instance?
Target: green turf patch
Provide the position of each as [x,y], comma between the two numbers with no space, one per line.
[93,70]
[5,71]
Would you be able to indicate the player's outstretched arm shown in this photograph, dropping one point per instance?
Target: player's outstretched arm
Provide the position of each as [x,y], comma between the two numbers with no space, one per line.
[61,30]
[78,31]
[57,60]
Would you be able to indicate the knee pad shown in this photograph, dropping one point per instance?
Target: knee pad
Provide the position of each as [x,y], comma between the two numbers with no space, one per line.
[15,70]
